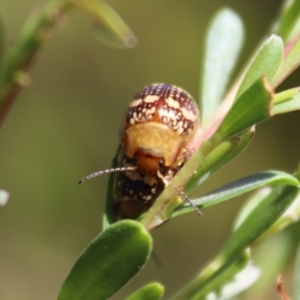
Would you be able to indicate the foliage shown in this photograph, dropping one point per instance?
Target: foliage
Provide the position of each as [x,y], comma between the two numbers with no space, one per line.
[229,119]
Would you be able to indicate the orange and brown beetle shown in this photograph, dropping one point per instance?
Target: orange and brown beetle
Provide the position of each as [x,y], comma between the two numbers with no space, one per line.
[161,121]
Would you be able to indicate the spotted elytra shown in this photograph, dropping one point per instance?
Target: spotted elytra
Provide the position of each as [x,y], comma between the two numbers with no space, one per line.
[161,121]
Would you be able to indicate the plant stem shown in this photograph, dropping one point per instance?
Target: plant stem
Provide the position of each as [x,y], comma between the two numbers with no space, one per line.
[19,57]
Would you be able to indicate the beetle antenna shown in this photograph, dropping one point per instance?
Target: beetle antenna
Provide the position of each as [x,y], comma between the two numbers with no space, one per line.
[180,193]
[188,200]
[107,171]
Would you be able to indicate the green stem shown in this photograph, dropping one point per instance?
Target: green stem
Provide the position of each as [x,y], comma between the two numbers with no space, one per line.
[168,200]
[19,57]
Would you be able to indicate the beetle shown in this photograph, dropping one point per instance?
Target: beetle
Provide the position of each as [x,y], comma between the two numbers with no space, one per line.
[160,122]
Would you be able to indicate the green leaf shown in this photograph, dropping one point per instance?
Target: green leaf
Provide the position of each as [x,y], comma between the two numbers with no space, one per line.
[109,262]
[289,17]
[250,205]
[110,27]
[237,188]
[212,162]
[152,291]
[286,95]
[251,227]
[165,204]
[265,63]
[262,217]
[267,211]
[290,62]
[221,53]
[213,286]
[209,284]
[297,276]
[251,108]
[290,216]
[4,195]
[245,140]
[218,157]
[286,101]
[241,281]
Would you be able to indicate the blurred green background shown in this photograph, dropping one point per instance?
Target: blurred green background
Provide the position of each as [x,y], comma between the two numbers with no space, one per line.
[67,125]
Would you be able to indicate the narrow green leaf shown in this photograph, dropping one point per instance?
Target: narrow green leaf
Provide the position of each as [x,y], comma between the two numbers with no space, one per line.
[221,53]
[212,162]
[241,281]
[291,103]
[290,216]
[251,108]
[286,95]
[110,27]
[290,62]
[208,285]
[218,157]
[109,262]
[152,291]
[212,288]
[289,17]
[266,63]
[4,196]
[250,205]
[245,140]
[237,188]
[297,276]
[259,220]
